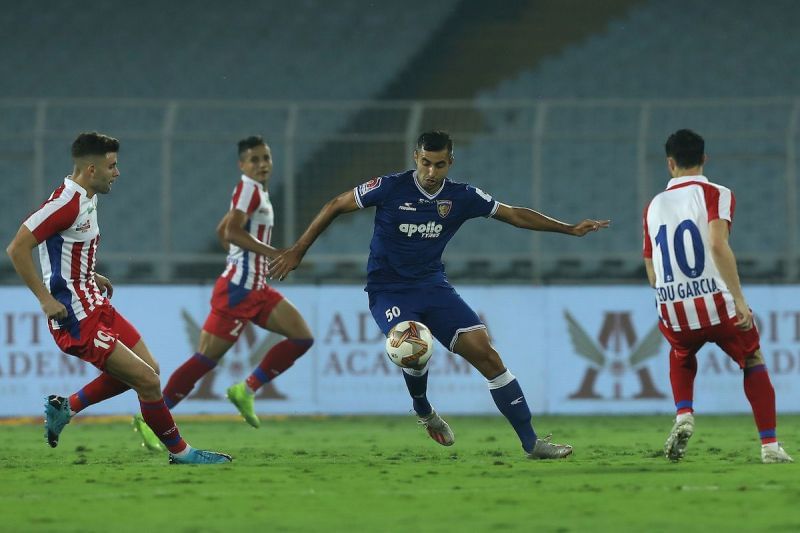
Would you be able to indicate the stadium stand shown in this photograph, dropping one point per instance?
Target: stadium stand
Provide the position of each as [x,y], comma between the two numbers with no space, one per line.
[589,153]
[614,83]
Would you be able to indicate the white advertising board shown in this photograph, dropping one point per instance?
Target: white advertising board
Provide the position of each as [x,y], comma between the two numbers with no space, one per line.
[575,350]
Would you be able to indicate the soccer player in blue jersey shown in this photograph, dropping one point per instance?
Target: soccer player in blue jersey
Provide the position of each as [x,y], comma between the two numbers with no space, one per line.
[416,213]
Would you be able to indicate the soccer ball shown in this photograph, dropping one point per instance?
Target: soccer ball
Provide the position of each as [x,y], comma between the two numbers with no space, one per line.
[409,344]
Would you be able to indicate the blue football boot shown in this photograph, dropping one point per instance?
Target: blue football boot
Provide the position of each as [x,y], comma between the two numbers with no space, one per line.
[200,457]
[56,416]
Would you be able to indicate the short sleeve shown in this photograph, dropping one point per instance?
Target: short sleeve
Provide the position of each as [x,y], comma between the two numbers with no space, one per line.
[245,198]
[371,193]
[647,246]
[480,204]
[54,216]
[720,203]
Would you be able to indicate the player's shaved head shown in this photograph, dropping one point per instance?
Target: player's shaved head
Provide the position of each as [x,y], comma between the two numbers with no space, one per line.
[435,141]
[250,143]
[687,148]
[90,144]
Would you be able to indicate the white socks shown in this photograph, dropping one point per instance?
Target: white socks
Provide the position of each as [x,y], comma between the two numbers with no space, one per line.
[500,381]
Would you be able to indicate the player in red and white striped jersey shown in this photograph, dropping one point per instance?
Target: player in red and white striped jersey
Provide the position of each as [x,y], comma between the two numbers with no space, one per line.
[699,297]
[241,293]
[81,318]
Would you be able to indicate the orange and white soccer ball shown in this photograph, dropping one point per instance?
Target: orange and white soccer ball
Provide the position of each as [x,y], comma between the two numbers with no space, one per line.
[409,344]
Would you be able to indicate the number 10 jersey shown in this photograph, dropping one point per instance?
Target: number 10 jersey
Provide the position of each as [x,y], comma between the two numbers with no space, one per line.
[690,293]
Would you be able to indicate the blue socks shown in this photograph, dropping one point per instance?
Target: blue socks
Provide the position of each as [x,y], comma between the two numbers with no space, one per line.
[417,383]
[510,400]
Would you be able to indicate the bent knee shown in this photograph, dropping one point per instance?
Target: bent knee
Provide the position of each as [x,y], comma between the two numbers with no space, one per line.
[149,382]
[490,364]
[754,360]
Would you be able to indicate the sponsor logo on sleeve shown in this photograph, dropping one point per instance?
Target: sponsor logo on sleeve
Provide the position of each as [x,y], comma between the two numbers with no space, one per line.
[485,196]
[84,226]
[372,184]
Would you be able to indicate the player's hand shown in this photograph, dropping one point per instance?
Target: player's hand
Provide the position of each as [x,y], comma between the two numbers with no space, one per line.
[276,253]
[280,266]
[582,228]
[104,284]
[744,316]
[54,309]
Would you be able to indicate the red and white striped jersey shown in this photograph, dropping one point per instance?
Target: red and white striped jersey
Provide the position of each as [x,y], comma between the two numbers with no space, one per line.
[246,269]
[66,228]
[690,293]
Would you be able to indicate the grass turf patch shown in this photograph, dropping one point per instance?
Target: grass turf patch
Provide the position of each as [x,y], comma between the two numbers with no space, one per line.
[385,474]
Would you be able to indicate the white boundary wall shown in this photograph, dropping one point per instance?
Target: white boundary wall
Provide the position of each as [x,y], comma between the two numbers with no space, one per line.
[346,371]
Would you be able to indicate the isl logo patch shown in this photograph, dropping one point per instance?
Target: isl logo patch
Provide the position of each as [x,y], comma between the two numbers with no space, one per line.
[372,184]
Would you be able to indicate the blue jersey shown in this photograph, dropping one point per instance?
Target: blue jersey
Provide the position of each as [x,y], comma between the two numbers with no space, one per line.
[412,227]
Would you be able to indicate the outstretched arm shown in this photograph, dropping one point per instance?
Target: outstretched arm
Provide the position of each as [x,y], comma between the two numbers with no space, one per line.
[20,253]
[281,266]
[522,217]
[233,225]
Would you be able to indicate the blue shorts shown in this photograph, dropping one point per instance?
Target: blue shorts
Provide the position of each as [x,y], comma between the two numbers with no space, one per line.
[439,308]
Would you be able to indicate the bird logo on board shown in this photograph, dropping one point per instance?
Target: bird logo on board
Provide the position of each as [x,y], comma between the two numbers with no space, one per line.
[617,336]
[443,207]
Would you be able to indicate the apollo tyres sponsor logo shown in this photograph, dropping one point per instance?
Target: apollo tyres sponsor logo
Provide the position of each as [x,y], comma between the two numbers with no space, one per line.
[617,338]
[426,230]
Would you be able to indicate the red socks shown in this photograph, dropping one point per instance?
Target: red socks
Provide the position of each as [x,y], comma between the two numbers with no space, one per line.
[278,359]
[761,395]
[102,388]
[157,416]
[682,371]
[182,381]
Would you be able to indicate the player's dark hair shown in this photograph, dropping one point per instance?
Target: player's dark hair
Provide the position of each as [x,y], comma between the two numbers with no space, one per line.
[686,147]
[93,143]
[250,142]
[435,141]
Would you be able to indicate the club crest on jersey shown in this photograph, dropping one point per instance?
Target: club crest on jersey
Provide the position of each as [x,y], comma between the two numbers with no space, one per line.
[83,228]
[443,207]
[372,184]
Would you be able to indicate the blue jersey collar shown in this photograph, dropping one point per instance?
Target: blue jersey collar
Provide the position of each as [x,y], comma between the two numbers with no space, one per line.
[428,195]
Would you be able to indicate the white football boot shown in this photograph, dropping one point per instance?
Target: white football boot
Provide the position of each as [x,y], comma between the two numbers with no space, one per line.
[682,431]
[544,449]
[437,428]
[774,453]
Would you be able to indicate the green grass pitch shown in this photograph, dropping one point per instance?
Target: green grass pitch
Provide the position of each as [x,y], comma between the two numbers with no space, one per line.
[384,474]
